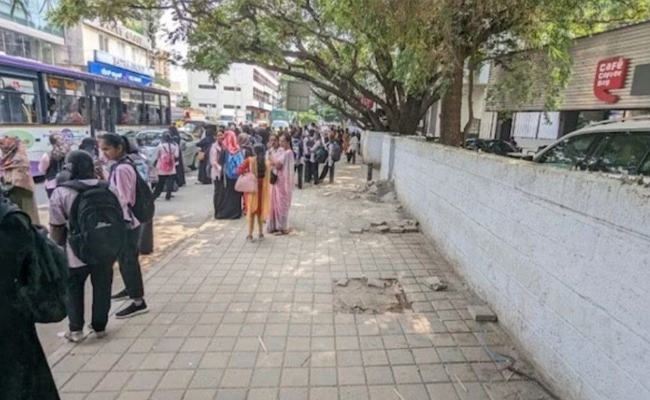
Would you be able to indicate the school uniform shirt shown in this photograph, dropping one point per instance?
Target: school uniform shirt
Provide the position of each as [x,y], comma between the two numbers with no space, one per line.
[330,148]
[354,144]
[312,150]
[124,181]
[60,206]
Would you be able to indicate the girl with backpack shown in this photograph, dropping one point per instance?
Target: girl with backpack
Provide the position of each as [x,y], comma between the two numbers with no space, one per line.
[259,202]
[124,179]
[77,208]
[229,158]
[168,153]
[52,163]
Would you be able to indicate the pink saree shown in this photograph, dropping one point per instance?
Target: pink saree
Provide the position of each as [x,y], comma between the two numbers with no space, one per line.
[281,191]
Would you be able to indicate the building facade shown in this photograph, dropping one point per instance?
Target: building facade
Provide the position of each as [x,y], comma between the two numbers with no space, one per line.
[245,92]
[611,79]
[26,33]
[111,50]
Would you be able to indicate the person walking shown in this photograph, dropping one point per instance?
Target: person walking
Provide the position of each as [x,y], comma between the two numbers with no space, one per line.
[17,179]
[282,162]
[307,144]
[353,149]
[168,155]
[180,167]
[123,179]
[216,173]
[205,145]
[62,219]
[230,159]
[297,147]
[52,163]
[330,145]
[24,371]
[316,157]
[259,202]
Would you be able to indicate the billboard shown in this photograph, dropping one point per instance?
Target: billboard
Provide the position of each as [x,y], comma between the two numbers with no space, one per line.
[298,96]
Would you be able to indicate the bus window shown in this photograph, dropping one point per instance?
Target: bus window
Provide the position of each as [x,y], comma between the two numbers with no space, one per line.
[66,101]
[17,101]
[131,107]
[152,107]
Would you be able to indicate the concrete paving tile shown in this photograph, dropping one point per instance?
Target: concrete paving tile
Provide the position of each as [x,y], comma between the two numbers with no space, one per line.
[83,382]
[413,392]
[322,377]
[406,374]
[349,358]
[294,393]
[379,375]
[113,382]
[200,394]
[135,395]
[100,396]
[236,378]
[295,377]
[144,380]
[323,393]
[231,394]
[442,391]
[351,376]
[266,377]
[167,394]
[157,361]
[206,378]
[263,394]
[450,355]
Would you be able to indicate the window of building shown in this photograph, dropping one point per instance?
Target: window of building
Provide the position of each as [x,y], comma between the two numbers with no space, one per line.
[103,43]
[132,108]
[213,87]
[231,107]
[66,101]
[17,101]
[34,15]
[261,96]
[232,89]
[122,50]
[207,105]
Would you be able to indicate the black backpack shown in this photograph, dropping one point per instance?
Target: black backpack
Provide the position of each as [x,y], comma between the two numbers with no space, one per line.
[321,154]
[144,208]
[42,288]
[336,152]
[97,230]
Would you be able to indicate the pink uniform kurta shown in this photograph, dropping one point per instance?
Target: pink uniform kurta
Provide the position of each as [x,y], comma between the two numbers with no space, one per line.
[281,191]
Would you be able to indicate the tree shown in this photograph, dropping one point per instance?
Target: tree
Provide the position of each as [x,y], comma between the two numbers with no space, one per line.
[185,102]
[161,80]
[348,50]
[540,32]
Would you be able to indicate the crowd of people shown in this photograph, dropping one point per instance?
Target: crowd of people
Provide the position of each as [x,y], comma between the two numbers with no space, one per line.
[101,210]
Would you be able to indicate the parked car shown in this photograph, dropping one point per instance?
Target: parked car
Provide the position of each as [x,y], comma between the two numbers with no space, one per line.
[615,146]
[494,146]
[150,139]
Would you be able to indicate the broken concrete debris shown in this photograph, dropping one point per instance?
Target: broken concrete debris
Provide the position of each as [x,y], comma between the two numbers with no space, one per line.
[378,223]
[380,229]
[388,197]
[342,282]
[482,313]
[397,229]
[435,283]
[411,229]
[378,283]
[356,231]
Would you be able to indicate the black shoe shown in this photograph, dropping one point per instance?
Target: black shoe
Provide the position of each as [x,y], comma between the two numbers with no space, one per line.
[123,295]
[132,310]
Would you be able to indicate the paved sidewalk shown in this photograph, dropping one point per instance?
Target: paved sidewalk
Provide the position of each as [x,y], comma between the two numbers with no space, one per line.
[233,320]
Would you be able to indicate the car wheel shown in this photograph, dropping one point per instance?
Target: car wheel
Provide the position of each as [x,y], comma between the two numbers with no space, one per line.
[193,166]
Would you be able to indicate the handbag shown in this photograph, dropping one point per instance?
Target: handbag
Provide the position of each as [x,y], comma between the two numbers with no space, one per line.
[200,155]
[274,177]
[246,183]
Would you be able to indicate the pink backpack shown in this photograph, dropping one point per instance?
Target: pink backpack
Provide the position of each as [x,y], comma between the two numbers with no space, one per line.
[166,161]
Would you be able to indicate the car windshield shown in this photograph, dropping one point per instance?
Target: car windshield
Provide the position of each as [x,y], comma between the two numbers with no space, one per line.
[569,152]
[149,139]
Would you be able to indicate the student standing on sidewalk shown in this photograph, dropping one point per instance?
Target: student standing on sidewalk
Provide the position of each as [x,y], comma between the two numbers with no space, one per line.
[329,163]
[123,179]
[81,167]
[168,155]
[352,149]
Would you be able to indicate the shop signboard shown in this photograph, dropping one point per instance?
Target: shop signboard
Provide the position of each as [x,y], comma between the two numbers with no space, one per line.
[106,58]
[118,74]
[610,75]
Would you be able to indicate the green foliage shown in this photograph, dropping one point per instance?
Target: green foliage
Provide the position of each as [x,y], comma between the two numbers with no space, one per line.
[162,81]
[185,102]
[307,117]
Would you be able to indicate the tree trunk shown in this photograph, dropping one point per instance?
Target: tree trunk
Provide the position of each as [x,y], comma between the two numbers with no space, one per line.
[470,97]
[450,110]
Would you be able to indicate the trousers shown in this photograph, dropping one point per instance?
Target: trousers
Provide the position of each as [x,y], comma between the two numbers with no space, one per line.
[101,277]
[130,265]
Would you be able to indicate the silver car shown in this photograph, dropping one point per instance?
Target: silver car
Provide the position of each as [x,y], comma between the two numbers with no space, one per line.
[150,139]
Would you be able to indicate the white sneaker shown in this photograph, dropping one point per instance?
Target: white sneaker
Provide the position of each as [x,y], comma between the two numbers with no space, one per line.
[75,337]
[98,335]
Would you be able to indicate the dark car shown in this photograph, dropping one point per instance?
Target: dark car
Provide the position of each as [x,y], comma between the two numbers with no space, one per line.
[494,146]
[619,146]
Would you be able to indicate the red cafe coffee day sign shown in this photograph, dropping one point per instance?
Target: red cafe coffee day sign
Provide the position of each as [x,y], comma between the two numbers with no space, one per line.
[610,75]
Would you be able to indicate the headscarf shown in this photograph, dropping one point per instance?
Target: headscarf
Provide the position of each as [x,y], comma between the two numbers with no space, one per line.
[244,139]
[15,163]
[59,148]
[230,142]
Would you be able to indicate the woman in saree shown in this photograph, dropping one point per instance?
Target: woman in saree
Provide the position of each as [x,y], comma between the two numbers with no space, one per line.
[17,178]
[282,162]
